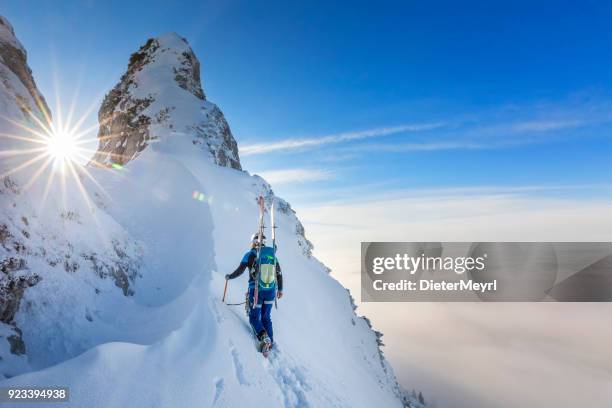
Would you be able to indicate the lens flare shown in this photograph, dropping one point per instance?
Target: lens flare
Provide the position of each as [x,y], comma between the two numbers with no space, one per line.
[198,196]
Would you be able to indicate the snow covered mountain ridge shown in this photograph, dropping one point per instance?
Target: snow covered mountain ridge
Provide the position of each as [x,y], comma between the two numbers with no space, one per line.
[115,293]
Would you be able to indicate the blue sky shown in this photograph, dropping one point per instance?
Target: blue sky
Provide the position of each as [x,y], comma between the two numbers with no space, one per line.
[388,97]
[407,121]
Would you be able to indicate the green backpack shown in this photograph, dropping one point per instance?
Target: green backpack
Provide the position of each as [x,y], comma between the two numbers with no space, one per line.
[267,268]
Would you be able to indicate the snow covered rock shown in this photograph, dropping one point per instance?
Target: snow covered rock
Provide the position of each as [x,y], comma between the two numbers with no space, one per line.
[19,100]
[159,102]
[259,184]
[56,258]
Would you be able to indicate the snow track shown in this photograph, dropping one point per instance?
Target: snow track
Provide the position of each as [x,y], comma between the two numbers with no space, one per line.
[238,368]
[290,378]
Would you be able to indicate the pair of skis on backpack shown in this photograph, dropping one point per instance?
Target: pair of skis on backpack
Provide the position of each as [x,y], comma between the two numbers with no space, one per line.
[265,343]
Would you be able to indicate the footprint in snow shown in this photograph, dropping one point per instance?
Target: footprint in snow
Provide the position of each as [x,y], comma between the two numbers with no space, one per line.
[219,385]
[238,368]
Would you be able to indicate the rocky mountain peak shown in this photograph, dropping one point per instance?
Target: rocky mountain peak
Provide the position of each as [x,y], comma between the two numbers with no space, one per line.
[161,94]
[13,65]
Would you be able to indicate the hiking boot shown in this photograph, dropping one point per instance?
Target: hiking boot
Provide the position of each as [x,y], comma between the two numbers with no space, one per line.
[265,343]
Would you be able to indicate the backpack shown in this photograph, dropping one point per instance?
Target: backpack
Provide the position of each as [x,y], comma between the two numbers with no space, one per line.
[267,268]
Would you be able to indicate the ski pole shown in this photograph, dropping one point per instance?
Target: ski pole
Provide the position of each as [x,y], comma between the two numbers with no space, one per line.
[235,304]
[224,292]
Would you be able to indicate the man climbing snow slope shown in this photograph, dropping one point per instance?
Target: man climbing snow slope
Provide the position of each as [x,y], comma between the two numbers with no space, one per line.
[265,274]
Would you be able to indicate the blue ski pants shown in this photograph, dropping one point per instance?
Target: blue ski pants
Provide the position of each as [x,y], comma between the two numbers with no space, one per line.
[259,314]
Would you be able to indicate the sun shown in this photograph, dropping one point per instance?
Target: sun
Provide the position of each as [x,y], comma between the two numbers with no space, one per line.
[52,155]
[62,146]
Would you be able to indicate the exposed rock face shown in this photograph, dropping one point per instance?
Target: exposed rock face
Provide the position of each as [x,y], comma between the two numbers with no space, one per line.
[12,286]
[161,93]
[13,59]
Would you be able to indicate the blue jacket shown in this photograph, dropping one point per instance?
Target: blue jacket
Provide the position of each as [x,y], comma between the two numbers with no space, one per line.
[249,261]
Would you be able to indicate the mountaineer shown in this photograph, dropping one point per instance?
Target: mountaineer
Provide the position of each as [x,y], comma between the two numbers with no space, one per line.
[265,284]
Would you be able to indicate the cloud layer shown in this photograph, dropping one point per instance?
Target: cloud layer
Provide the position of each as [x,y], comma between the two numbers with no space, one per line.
[477,355]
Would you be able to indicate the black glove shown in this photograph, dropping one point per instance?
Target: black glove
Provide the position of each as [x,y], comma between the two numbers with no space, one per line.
[227,277]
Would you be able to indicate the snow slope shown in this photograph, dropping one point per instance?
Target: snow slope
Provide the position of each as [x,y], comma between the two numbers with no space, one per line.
[160,336]
[205,354]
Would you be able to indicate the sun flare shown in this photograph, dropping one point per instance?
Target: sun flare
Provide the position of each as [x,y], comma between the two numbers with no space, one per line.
[57,153]
[62,146]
